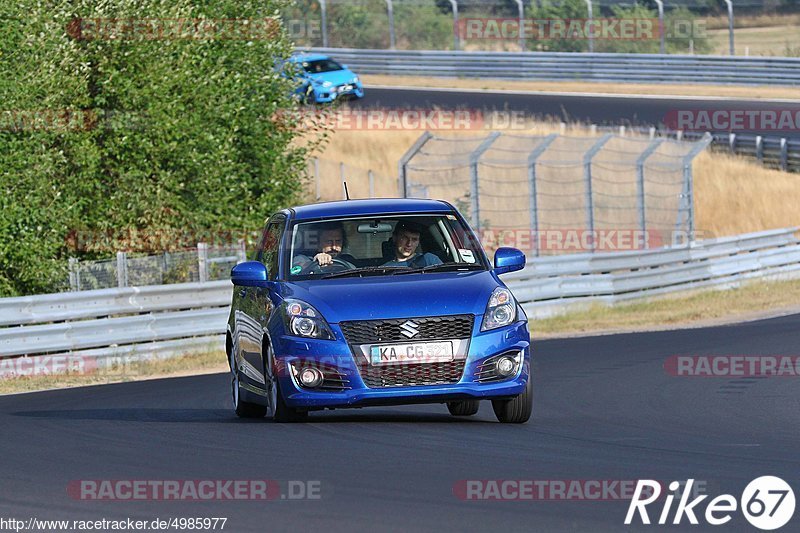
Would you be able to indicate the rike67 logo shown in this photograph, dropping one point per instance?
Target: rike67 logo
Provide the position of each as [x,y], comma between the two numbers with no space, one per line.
[767,503]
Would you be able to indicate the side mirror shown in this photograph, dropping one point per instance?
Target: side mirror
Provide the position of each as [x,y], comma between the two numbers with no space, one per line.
[344,67]
[508,260]
[250,274]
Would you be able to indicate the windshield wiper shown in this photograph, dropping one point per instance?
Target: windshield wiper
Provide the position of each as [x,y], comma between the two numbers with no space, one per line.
[444,266]
[365,270]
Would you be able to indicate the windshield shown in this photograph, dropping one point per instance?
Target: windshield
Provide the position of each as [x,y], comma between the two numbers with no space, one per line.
[321,65]
[382,246]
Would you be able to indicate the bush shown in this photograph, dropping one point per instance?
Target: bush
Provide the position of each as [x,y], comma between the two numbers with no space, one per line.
[105,134]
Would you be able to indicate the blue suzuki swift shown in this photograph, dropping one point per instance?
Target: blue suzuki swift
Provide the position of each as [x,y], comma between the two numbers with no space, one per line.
[376,302]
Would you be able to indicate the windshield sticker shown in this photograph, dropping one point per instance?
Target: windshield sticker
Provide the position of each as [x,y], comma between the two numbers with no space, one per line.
[466,255]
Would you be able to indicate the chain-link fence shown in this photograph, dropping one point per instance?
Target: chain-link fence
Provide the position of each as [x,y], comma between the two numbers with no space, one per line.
[205,263]
[559,186]
[551,25]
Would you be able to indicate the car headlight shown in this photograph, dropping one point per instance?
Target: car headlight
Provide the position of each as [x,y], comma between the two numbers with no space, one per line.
[302,320]
[500,311]
[355,80]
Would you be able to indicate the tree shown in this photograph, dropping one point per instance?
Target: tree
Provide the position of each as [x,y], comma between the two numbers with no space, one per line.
[110,125]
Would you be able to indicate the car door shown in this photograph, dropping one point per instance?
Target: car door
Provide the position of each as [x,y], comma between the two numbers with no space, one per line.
[253,306]
[263,300]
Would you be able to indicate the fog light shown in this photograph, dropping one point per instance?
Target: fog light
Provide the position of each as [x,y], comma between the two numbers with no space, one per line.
[506,366]
[310,377]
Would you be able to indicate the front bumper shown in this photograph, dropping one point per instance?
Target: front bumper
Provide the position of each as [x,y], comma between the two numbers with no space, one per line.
[324,95]
[337,354]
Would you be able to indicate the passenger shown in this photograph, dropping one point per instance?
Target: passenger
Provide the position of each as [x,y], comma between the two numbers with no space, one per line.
[406,238]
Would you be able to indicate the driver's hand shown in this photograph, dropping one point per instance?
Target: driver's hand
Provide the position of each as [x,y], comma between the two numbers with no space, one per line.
[323,259]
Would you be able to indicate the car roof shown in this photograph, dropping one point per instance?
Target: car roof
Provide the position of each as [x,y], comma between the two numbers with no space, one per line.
[308,57]
[377,206]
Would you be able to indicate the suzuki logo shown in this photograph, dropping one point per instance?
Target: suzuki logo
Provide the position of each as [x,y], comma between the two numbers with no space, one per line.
[409,329]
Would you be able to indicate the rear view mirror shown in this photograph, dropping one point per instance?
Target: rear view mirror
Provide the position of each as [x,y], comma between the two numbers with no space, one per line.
[375,227]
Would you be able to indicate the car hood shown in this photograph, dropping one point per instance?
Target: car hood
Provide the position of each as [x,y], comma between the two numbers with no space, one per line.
[336,77]
[408,295]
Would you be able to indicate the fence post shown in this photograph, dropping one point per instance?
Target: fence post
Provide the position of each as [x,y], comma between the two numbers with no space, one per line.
[390,14]
[662,45]
[521,11]
[587,176]
[688,183]
[456,31]
[122,269]
[730,26]
[402,174]
[241,251]
[784,154]
[323,11]
[589,24]
[732,142]
[371,176]
[759,148]
[475,205]
[533,201]
[202,261]
[640,203]
[73,274]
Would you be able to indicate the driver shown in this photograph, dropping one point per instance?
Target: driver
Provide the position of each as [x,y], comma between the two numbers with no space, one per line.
[330,245]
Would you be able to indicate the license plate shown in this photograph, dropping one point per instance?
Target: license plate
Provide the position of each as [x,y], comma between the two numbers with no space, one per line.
[398,354]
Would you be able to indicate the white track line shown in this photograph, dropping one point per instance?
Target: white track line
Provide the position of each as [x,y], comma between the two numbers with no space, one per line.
[588,95]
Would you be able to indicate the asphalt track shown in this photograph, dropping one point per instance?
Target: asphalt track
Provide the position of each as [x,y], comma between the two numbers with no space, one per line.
[604,409]
[632,110]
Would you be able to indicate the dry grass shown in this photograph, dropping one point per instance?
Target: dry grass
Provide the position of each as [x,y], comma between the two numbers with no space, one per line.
[186,365]
[732,195]
[759,41]
[762,20]
[749,92]
[698,308]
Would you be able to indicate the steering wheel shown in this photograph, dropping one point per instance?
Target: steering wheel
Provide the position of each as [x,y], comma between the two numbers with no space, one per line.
[338,264]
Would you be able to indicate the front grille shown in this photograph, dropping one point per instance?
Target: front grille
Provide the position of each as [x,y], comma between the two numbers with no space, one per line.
[430,328]
[412,375]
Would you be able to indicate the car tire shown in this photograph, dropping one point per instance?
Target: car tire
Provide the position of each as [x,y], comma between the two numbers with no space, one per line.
[242,408]
[283,413]
[516,410]
[465,408]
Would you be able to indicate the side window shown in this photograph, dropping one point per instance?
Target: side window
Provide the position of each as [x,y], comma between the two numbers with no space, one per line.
[270,247]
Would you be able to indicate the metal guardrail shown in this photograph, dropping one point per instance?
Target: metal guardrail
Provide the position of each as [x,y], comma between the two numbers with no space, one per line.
[559,66]
[156,322]
[550,285]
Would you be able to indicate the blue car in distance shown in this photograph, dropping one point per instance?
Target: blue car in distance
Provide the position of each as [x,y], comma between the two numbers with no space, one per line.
[376,302]
[323,80]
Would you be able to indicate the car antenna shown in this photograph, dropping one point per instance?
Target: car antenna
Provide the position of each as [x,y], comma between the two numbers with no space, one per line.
[346,193]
